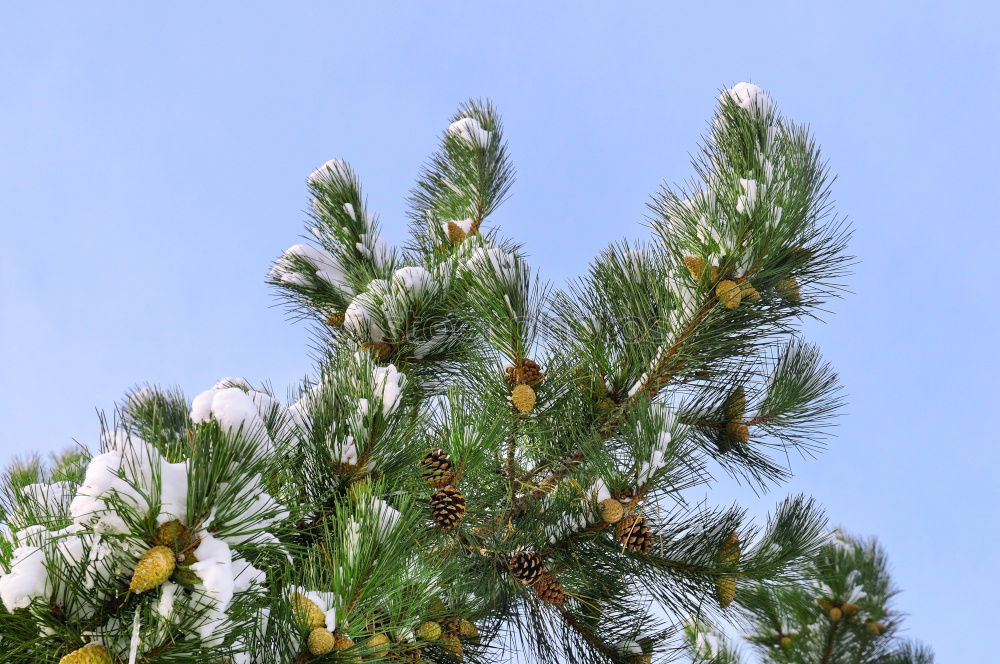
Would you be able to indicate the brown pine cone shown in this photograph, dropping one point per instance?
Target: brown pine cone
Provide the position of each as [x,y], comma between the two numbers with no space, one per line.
[526,372]
[549,590]
[633,532]
[436,467]
[526,566]
[447,507]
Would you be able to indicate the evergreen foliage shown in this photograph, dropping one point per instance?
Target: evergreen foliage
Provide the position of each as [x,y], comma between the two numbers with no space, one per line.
[483,466]
[843,614]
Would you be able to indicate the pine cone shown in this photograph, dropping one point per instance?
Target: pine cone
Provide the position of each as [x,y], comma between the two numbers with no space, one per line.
[525,372]
[738,431]
[849,608]
[789,289]
[729,553]
[729,293]
[467,629]
[836,614]
[336,320]
[451,645]
[549,590]
[735,405]
[89,654]
[526,566]
[611,510]
[321,641]
[875,628]
[749,293]
[155,567]
[436,468]
[168,533]
[725,590]
[429,631]
[380,350]
[447,507]
[307,612]
[455,233]
[378,645]
[785,642]
[695,265]
[633,532]
[524,398]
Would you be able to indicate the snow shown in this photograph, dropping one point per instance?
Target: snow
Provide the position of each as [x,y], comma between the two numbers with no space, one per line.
[387,515]
[469,130]
[464,224]
[168,597]
[47,500]
[327,267]
[359,318]
[129,473]
[254,510]
[374,248]
[330,172]
[750,97]
[214,567]
[748,199]
[389,383]
[28,577]
[502,263]
[413,278]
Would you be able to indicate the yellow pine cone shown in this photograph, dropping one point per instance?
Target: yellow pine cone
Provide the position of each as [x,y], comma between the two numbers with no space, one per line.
[524,398]
[729,293]
[336,320]
[379,645]
[785,642]
[155,567]
[824,603]
[612,510]
[725,590]
[167,533]
[849,608]
[749,293]
[467,629]
[451,645]
[836,614]
[429,631]
[321,641]
[789,289]
[89,654]
[738,431]
[729,554]
[455,233]
[875,628]
[695,265]
[307,612]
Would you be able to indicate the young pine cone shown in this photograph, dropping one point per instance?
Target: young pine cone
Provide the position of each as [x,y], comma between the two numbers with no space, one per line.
[321,641]
[524,372]
[729,553]
[436,467]
[549,590]
[89,654]
[729,293]
[447,507]
[307,612]
[635,534]
[523,397]
[725,590]
[735,405]
[155,567]
[526,566]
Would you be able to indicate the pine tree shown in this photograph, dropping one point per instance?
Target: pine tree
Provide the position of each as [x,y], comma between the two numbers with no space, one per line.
[843,614]
[482,465]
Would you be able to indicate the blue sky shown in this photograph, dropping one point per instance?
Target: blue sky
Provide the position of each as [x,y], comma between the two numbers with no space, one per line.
[152,164]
